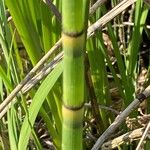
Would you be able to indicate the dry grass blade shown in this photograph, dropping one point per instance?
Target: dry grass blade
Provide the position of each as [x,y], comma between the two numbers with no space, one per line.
[127,137]
[100,23]
[110,15]
[130,24]
[147,2]
[119,119]
[44,72]
[87,105]
[54,9]
[96,5]
[143,136]
[29,76]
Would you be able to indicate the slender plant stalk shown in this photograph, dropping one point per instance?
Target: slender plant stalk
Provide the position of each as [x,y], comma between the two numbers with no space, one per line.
[73,37]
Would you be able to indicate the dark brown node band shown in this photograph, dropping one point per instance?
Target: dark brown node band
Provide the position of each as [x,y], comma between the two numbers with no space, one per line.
[73,34]
[141,97]
[74,108]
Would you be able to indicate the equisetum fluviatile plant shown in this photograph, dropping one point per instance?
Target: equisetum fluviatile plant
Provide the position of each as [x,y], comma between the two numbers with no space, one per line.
[73,40]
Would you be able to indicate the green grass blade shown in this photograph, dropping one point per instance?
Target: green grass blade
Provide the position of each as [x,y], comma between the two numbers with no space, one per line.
[36,105]
[36,140]
[52,131]
[22,17]
[13,137]
[133,48]
[5,79]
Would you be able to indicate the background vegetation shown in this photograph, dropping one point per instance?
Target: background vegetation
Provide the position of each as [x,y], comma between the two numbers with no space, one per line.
[116,70]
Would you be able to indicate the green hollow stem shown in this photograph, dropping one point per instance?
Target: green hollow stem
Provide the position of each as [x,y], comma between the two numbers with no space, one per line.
[73,40]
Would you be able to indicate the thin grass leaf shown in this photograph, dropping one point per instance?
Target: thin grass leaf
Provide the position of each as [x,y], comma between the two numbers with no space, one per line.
[54,110]
[36,140]
[22,17]
[37,102]
[52,131]
[12,128]
[96,66]
[5,79]
[133,48]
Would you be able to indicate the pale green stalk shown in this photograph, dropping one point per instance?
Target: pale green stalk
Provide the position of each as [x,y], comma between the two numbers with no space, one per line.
[73,36]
